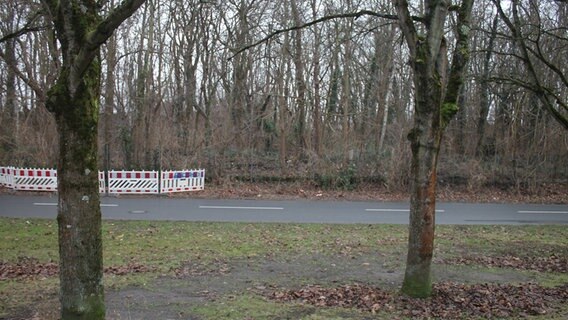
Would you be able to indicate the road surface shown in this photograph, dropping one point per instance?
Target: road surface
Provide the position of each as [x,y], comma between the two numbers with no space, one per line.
[296,211]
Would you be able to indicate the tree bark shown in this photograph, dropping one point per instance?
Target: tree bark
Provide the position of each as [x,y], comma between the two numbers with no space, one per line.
[485,102]
[79,215]
[74,100]
[9,111]
[436,94]
[299,77]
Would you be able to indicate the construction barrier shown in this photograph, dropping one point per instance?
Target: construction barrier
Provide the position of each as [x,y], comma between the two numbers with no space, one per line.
[119,182]
[181,181]
[7,177]
[133,182]
[102,181]
[34,179]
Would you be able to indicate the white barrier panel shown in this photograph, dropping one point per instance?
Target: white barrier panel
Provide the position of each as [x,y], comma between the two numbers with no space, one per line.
[180,181]
[128,182]
[35,179]
[101,182]
[7,177]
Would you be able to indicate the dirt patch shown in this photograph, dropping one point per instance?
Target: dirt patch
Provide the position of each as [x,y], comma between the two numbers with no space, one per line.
[198,283]
[170,297]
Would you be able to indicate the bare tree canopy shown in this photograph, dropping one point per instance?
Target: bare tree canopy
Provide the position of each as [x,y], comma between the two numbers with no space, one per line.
[326,93]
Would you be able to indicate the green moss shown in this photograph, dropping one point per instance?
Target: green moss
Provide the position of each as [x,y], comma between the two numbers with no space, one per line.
[417,286]
[447,112]
[91,308]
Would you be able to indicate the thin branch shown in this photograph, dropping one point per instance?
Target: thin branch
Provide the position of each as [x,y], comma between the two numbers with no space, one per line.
[27,28]
[34,85]
[21,32]
[541,91]
[320,20]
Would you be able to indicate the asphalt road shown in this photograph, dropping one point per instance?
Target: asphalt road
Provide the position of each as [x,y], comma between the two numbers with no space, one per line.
[297,211]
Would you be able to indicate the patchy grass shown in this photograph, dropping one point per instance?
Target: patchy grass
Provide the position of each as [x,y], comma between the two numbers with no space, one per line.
[259,308]
[215,270]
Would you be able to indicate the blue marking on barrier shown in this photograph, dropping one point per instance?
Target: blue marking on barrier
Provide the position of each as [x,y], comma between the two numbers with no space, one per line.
[182,175]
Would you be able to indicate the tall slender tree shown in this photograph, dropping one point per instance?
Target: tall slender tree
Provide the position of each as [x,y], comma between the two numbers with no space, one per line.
[435,103]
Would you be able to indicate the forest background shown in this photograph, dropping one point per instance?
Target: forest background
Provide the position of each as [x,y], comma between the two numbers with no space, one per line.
[329,105]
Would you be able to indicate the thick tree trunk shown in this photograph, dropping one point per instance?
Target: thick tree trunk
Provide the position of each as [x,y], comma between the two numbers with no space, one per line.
[74,100]
[79,215]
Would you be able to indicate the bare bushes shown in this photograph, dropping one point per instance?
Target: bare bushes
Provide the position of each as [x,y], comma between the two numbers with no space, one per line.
[32,141]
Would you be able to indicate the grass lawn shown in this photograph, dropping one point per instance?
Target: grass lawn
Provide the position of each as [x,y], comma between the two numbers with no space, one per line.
[187,270]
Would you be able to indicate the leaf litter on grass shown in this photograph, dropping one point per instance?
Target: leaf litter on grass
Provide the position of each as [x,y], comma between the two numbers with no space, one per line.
[27,268]
[449,300]
[552,263]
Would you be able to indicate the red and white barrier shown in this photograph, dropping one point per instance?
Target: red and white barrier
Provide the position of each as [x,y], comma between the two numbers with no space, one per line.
[181,181]
[119,182]
[35,179]
[7,177]
[101,182]
[133,182]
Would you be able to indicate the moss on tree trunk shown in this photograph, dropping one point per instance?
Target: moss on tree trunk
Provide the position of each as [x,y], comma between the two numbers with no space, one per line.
[74,100]
[79,215]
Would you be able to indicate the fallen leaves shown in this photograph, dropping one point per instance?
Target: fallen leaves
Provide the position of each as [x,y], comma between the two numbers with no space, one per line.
[449,300]
[552,263]
[214,267]
[305,189]
[28,268]
[348,296]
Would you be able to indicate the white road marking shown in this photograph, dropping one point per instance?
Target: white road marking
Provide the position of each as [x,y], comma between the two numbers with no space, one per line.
[537,211]
[395,210]
[55,204]
[241,208]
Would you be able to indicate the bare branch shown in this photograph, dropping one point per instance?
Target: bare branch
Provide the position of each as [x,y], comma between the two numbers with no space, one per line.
[103,31]
[34,85]
[24,30]
[27,28]
[541,91]
[320,20]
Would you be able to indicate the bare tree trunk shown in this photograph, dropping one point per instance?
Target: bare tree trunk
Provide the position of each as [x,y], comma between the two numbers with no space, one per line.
[317,135]
[74,100]
[239,91]
[435,104]
[142,114]
[8,113]
[346,102]
[485,102]
[109,99]
[299,77]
